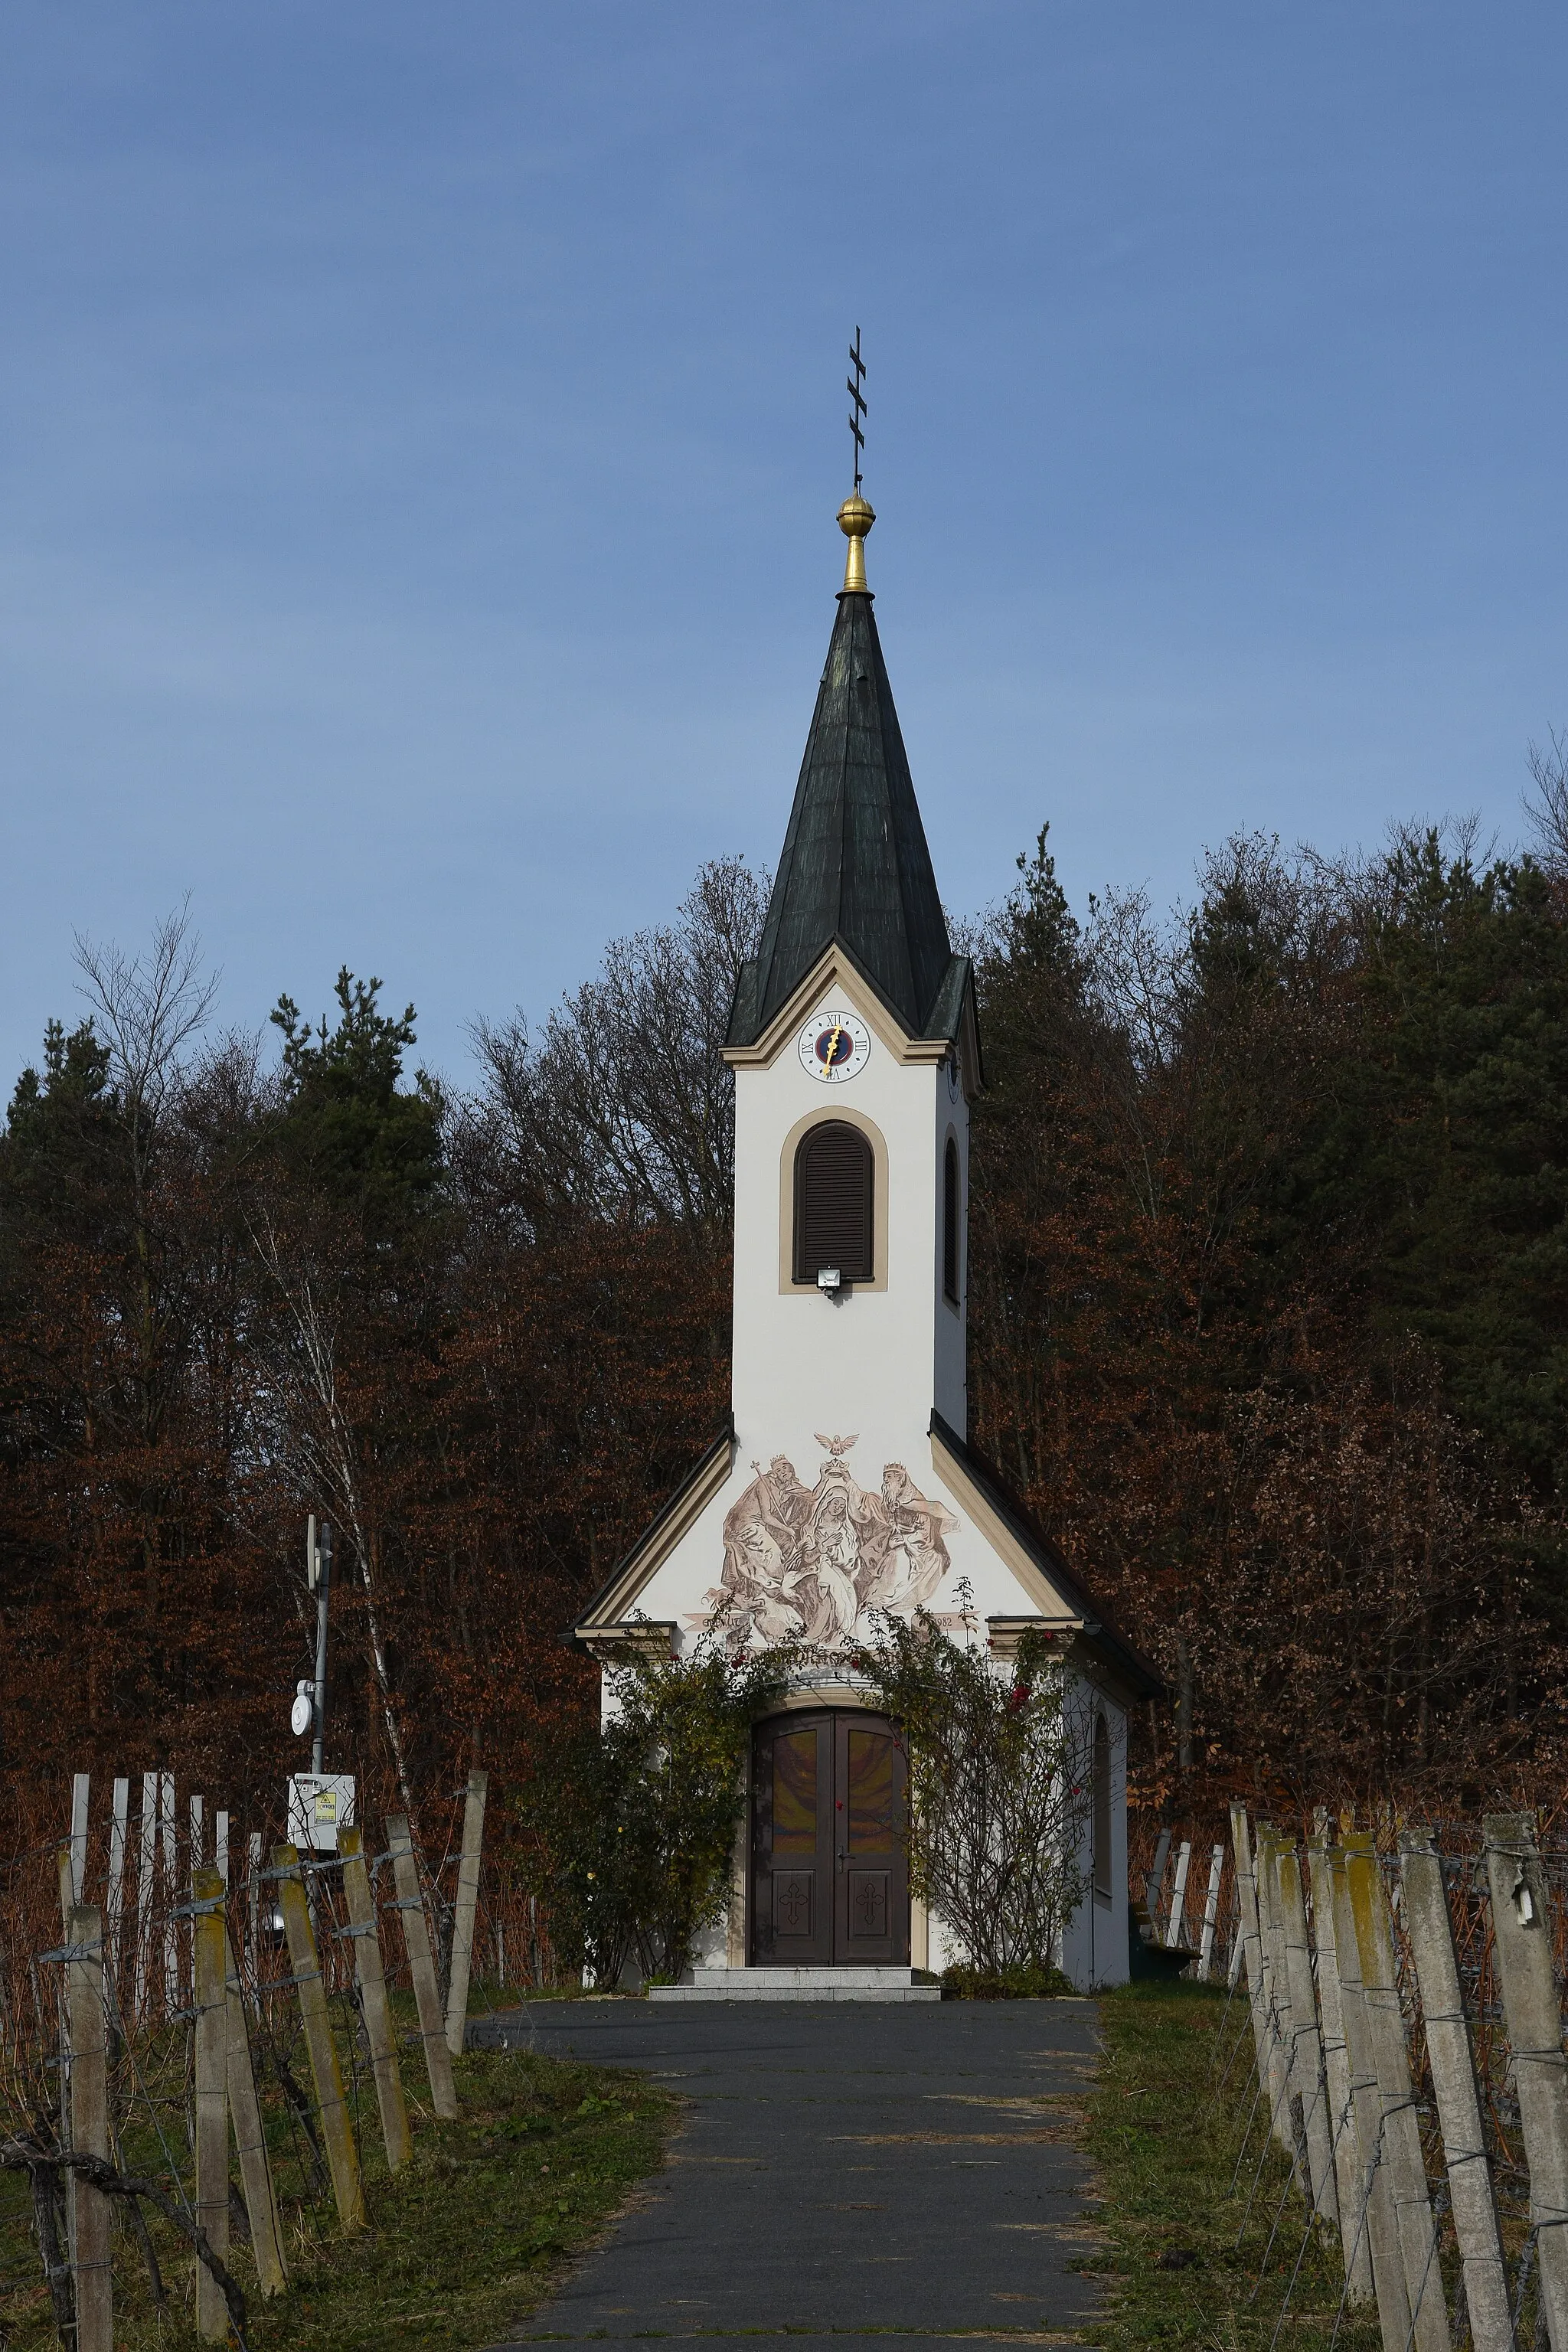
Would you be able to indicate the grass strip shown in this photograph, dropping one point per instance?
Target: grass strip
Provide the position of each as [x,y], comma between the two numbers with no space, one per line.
[1187,2257]
[463,2244]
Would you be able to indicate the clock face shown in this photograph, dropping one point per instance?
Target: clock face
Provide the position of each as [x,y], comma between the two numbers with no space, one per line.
[834,1046]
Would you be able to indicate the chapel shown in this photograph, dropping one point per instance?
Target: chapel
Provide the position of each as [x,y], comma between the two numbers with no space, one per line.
[844,1483]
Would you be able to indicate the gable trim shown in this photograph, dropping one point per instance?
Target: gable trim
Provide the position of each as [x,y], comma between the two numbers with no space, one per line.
[836,967]
[607,1612]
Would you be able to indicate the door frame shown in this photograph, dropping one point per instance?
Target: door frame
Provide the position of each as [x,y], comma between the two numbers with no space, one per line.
[835,1703]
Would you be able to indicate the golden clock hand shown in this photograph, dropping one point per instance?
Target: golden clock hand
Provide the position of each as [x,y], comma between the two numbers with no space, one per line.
[833,1043]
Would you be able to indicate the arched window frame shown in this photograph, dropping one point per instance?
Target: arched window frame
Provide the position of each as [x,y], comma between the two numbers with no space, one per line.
[788,1146]
[858,1268]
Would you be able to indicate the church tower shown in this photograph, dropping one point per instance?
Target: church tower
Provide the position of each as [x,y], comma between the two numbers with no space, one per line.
[856,1055]
[844,1485]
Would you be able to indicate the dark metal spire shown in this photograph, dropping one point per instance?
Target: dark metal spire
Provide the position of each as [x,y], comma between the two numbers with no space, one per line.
[854,866]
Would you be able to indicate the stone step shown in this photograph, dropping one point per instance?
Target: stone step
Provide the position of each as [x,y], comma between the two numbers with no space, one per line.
[798,1984]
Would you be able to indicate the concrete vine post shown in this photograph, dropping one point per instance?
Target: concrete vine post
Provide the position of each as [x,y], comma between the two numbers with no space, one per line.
[90,2127]
[427,1995]
[1401,2132]
[1356,2254]
[1470,2170]
[342,2159]
[1374,2204]
[1308,2074]
[208,1941]
[371,1980]
[468,1906]
[1522,1926]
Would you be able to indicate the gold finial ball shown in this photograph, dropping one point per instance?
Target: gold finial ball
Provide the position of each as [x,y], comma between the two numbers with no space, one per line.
[856,517]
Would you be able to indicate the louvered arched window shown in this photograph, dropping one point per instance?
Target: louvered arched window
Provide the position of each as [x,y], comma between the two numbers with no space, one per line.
[835,1194]
[1100,1789]
[949,1211]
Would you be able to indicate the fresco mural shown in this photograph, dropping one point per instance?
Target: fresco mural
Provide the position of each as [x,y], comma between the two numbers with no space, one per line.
[805,1563]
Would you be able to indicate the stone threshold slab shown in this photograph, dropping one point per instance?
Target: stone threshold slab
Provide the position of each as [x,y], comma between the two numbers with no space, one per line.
[792,1993]
[798,1984]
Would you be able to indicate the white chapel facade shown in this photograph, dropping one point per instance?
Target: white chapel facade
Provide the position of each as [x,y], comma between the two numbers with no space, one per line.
[844,1484]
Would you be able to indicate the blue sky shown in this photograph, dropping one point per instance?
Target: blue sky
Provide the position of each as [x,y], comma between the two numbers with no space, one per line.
[421,429]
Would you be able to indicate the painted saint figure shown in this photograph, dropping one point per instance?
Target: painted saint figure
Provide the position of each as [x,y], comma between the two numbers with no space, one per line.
[805,1564]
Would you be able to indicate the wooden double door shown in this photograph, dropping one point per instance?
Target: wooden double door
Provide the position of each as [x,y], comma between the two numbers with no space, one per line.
[829,1870]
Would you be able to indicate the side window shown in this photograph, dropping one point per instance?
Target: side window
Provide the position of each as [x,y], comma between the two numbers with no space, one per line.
[835,1190]
[949,1223]
[1101,1793]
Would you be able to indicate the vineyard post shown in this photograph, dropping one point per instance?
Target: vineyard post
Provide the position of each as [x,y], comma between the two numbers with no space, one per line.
[1278,1999]
[1375,2196]
[1471,2191]
[90,2128]
[146,1872]
[1400,2130]
[170,1880]
[211,2002]
[1154,1884]
[1337,2072]
[1308,2073]
[468,1906]
[120,1822]
[1210,1914]
[416,1937]
[1522,1926]
[371,1978]
[255,2165]
[253,1901]
[342,2155]
[65,1873]
[1176,1919]
[81,1792]
[1249,1936]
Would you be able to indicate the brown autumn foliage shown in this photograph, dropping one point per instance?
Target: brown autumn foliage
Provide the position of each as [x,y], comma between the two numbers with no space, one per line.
[1269,1312]
[1268,1302]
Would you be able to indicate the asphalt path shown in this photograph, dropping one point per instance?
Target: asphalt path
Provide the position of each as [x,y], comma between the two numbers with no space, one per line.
[909,2171]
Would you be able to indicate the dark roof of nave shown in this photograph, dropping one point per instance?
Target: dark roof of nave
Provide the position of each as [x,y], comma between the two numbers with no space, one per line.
[854,866]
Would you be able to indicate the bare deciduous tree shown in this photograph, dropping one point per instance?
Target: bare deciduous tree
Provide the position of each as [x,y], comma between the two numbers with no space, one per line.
[625,1105]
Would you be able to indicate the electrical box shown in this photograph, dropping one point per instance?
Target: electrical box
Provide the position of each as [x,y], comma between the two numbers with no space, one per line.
[320,1805]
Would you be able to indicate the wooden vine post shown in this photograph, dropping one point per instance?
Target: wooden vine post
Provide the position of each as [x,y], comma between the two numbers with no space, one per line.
[1402,2152]
[371,1980]
[1471,2196]
[1522,1926]
[1337,2072]
[1249,1936]
[208,1976]
[467,1907]
[255,2165]
[342,2159]
[1308,2075]
[427,1994]
[1375,2205]
[90,2127]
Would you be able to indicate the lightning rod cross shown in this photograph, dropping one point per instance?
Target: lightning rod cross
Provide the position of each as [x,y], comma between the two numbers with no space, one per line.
[858,413]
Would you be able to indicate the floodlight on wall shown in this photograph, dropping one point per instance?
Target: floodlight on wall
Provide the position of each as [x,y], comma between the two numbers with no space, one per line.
[828,1278]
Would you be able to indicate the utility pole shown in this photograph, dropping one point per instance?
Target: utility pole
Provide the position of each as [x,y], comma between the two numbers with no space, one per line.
[321,1575]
